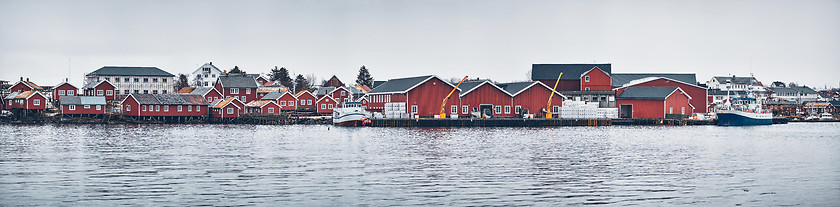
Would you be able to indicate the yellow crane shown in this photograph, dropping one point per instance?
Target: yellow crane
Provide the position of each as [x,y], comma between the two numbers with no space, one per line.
[443,105]
[548,108]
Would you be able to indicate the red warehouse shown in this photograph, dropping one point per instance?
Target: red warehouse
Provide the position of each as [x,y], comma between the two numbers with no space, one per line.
[423,95]
[341,94]
[484,98]
[243,88]
[595,80]
[691,89]
[306,100]
[286,101]
[164,105]
[63,89]
[326,105]
[102,88]
[24,85]
[572,75]
[653,102]
[209,93]
[226,108]
[531,97]
[82,105]
[26,100]
[262,107]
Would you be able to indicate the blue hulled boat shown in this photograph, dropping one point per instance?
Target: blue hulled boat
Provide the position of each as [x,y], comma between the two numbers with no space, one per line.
[743,118]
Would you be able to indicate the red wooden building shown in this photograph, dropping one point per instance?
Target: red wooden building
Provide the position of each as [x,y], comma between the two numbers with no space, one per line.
[24,85]
[209,93]
[422,94]
[341,94]
[484,97]
[326,105]
[63,89]
[306,100]
[573,74]
[653,102]
[164,105]
[226,108]
[532,96]
[595,80]
[32,100]
[262,107]
[102,88]
[82,105]
[285,100]
[691,89]
[243,88]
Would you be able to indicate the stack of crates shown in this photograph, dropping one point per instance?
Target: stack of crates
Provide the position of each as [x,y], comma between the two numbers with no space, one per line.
[395,110]
[583,110]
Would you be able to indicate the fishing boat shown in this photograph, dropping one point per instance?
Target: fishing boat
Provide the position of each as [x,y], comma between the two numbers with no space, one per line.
[743,111]
[826,117]
[350,114]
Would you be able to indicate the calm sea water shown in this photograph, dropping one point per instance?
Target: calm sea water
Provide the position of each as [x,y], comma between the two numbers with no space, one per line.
[242,165]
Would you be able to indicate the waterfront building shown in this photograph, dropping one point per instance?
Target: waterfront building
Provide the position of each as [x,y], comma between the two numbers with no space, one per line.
[306,100]
[341,94]
[24,85]
[782,108]
[205,75]
[262,107]
[285,100]
[691,89]
[422,95]
[243,88]
[29,100]
[64,89]
[263,90]
[128,80]
[333,82]
[736,83]
[819,108]
[483,98]
[595,79]
[82,105]
[164,105]
[799,94]
[325,105]
[653,102]
[209,93]
[582,82]
[364,101]
[102,88]
[226,108]
[531,97]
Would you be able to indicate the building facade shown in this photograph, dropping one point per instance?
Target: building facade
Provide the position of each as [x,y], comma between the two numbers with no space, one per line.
[205,75]
[138,80]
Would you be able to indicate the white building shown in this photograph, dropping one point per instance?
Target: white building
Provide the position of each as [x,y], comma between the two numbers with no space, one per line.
[205,75]
[127,80]
[799,94]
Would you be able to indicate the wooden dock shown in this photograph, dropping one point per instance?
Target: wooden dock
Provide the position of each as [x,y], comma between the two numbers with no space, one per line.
[488,122]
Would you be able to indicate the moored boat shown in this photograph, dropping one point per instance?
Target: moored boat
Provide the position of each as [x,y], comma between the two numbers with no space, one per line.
[826,117]
[743,118]
[350,114]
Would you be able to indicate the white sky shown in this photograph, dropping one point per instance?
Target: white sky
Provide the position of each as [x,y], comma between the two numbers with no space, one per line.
[791,41]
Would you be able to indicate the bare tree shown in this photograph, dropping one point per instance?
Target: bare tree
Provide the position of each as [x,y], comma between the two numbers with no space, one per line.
[312,80]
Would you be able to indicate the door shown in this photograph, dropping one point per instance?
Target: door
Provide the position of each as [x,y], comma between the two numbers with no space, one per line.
[486,110]
[626,111]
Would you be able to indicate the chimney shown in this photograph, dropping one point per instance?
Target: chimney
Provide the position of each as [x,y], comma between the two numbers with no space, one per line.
[211,63]
[21,78]
[27,79]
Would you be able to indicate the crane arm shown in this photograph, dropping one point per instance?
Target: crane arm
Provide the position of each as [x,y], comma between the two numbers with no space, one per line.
[443,105]
[548,106]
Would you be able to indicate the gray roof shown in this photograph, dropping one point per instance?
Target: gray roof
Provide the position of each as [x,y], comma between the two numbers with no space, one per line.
[795,89]
[201,90]
[12,95]
[570,71]
[399,84]
[145,98]
[129,71]
[780,103]
[169,99]
[467,86]
[738,80]
[619,79]
[515,87]
[82,100]
[208,65]
[274,95]
[646,93]
[238,82]
[324,90]
[377,83]
[722,92]
[92,84]
[835,103]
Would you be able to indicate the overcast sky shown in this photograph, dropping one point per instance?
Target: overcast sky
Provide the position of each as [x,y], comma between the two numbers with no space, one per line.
[792,41]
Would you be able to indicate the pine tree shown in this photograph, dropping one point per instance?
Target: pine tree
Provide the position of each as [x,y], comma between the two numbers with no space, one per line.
[301,83]
[284,77]
[275,74]
[364,77]
[182,82]
[235,70]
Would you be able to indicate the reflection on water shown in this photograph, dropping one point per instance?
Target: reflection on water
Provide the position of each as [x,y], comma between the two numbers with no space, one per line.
[105,165]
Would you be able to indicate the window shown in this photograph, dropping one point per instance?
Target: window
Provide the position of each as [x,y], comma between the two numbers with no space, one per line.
[517,109]
[154,80]
[453,110]
[282,103]
[291,103]
[247,91]
[309,102]
[555,109]
[209,99]
[70,92]
[230,110]
[180,108]
[197,108]
[587,88]
[157,107]
[243,99]
[99,92]
[465,109]
[683,110]
[109,92]
[329,106]
[154,91]
[127,91]
[136,80]
[60,92]
[234,91]
[36,102]
[126,80]
[302,102]
[189,108]
[164,80]
[206,83]
[87,106]
[214,75]
[586,79]
[270,110]
[145,91]
[72,107]
[498,110]
[343,93]
[670,110]
[164,91]
[414,109]
[108,79]
[166,108]
[117,80]
[323,106]
[127,107]
[145,80]
[98,107]
[136,91]
[117,91]
[144,108]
